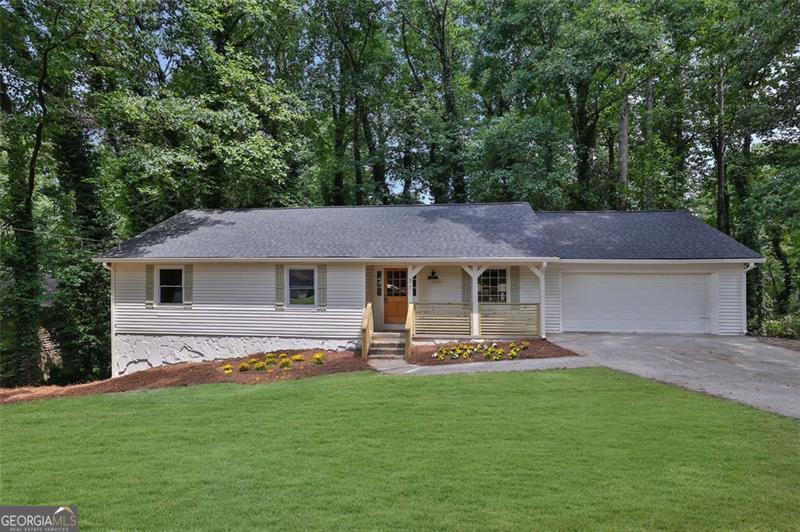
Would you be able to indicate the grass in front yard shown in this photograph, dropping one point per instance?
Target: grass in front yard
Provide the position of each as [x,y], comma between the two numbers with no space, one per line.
[557,450]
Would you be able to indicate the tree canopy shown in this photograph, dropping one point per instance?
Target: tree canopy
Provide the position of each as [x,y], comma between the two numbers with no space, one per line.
[116,115]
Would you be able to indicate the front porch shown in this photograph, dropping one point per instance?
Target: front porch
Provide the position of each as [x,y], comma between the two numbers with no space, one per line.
[426,302]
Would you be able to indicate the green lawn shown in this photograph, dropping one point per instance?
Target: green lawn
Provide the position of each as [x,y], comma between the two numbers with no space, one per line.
[553,450]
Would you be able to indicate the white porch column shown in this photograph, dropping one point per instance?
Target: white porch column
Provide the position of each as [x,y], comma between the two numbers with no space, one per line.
[540,274]
[474,272]
[412,272]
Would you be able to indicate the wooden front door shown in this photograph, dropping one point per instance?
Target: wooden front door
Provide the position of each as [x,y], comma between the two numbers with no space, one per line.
[395,295]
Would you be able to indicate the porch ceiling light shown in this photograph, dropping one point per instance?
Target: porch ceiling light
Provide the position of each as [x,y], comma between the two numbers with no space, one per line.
[433,275]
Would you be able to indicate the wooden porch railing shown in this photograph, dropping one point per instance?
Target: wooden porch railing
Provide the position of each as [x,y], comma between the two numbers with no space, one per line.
[409,328]
[367,328]
[509,319]
[442,319]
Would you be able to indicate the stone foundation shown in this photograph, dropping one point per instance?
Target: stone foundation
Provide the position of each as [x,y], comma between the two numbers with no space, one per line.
[135,352]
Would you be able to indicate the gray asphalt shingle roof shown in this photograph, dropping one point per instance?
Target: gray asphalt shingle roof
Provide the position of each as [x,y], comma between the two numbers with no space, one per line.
[508,230]
[642,235]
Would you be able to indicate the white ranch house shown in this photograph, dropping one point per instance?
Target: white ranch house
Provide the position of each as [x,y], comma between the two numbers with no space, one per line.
[208,284]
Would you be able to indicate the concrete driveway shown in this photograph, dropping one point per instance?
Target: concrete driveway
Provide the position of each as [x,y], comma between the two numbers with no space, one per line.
[739,368]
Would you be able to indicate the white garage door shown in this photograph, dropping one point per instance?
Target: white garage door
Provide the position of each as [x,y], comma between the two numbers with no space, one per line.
[634,302]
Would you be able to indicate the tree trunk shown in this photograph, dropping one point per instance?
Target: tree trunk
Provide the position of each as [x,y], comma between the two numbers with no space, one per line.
[783,295]
[20,354]
[746,230]
[648,122]
[339,127]
[358,169]
[610,148]
[408,175]
[377,160]
[452,170]
[584,127]
[623,152]
[718,147]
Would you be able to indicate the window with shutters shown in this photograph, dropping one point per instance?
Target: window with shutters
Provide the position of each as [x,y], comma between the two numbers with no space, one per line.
[170,286]
[301,286]
[492,286]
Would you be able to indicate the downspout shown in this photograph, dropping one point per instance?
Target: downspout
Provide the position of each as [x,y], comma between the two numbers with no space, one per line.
[749,267]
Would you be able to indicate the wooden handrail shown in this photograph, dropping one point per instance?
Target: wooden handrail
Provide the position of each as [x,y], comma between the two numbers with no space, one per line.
[409,328]
[367,328]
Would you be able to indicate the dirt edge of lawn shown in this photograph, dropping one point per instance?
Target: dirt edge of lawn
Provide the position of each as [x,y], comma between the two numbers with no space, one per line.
[190,373]
[536,348]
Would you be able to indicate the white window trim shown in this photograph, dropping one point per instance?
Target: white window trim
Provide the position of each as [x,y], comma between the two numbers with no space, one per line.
[287,289]
[157,285]
[508,292]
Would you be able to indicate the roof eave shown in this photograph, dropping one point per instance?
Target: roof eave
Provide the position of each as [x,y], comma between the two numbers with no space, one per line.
[438,260]
[385,260]
[734,260]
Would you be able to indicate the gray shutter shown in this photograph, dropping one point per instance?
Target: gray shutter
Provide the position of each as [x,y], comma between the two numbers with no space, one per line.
[279,287]
[513,284]
[322,286]
[369,282]
[466,287]
[188,284]
[149,287]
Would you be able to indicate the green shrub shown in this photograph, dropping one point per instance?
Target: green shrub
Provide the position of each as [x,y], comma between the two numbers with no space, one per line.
[285,363]
[784,327]
[244,366]
[259,366]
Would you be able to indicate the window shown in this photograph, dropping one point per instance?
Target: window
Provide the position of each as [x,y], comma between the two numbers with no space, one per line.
[170,286]
[301,286]
[396,283]
[379,286]
[492,286]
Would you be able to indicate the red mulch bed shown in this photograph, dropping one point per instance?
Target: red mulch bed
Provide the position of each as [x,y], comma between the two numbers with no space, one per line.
[422,354]
[195,373]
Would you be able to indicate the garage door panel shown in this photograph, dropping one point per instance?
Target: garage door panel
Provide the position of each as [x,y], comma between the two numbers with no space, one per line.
[635,303]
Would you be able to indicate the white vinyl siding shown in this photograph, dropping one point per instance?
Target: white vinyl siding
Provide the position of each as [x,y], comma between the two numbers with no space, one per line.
[233,299]
[731,303]
[635,302]
[552,301]
[528,286]
[445,289]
